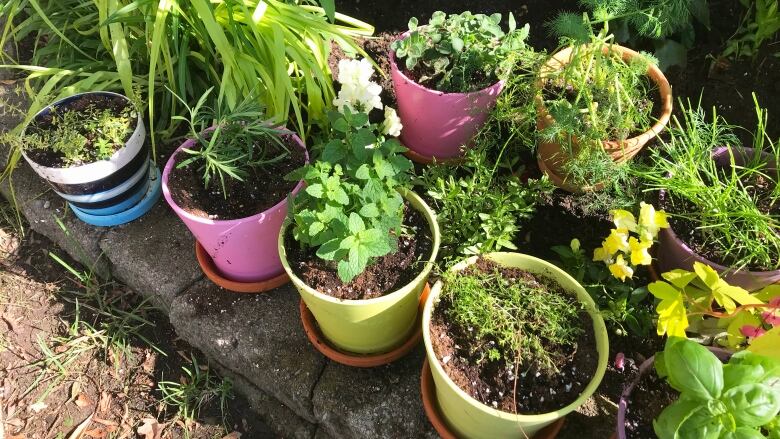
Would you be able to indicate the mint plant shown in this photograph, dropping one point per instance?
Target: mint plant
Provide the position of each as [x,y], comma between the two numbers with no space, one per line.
[460,52]
[736,400]
[351,209]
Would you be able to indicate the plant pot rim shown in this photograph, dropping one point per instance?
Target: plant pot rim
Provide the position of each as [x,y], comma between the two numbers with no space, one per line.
[662,193]
[210,270]
[390,297]
[644,369]
[562,57]
[599,330]
[92,167]
[169,165]
[394,67]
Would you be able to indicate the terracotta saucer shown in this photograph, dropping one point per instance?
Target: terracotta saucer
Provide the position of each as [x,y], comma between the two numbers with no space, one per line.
[432,410]
[360,360]
[425,160]
[208,267]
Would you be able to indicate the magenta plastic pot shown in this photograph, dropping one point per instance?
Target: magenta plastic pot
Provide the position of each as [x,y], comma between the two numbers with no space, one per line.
[644,369]
[674,253]
[437,124]
[245,249]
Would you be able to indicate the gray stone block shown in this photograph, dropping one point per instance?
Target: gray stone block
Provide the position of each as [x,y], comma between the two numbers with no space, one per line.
[154,255]
[258,335]
[42,207]
[381,402]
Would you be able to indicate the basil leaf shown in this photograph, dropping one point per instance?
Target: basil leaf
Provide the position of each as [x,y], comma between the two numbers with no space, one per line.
[752,405]
[693,370]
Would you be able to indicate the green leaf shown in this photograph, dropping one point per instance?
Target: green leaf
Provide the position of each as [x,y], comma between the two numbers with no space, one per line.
[329,6]
[672,417]
[743,433]
[340,196]
[316,190]
[413,23]
[363,172]
[671,53]
[457,44]
[329,251]
[369,211]
[693,370]
[315,228]
[752,405]
[340,125]
[356,223]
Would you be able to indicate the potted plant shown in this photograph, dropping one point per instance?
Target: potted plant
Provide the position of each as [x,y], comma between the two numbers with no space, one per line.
[688,392]
[451,72]
[594,107]
[359,244]
[514,343]
[723,199]
[91,148]
[224,183]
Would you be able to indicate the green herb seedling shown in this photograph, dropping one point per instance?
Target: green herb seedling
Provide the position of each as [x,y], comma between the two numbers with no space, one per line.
[735,400]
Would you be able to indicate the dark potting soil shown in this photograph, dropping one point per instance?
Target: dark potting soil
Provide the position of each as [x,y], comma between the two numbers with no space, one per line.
[262,189]
[86,104]
[533,390]
[385,275]
[695,237]
[648,399]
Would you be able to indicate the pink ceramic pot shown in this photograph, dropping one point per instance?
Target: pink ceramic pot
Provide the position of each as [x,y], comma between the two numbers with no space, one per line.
[245,249]
[674,253]
[437,124]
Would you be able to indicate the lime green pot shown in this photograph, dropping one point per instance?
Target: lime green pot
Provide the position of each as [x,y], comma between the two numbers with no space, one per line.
[375,325]
[469,418]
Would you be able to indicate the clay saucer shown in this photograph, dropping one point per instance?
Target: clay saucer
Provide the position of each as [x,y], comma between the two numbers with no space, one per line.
[425,160]
[360,360]
[208,267]
[434,415]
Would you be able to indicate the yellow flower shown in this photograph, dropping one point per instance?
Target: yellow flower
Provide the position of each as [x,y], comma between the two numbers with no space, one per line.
[623,219]
[651,221]
[601,254]
[639,251]
[617,241]
[620,269]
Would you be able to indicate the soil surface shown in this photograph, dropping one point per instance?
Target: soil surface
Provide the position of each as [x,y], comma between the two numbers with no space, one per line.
[109,393]
[385,275]
[85,104]
[648,399]
[527,389]
[262,189]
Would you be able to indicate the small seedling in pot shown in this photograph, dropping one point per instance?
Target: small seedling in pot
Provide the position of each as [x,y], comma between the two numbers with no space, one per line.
[460,52]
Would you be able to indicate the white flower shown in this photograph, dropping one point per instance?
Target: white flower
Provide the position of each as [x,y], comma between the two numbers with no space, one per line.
[392,125]
[357,91]
[354,72]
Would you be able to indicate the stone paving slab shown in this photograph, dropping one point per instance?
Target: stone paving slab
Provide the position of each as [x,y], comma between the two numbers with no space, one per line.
[256,335]
[154,255]
[380,402]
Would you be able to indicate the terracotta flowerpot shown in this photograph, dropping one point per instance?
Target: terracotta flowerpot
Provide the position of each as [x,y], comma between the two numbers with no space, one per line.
[244,249]
[469,418]
[552,156]
[644,369]
[437,124]
[369,326]
[674,253]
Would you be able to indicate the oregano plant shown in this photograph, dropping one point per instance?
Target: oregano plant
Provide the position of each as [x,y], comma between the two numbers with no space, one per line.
[351,210]
[460,52]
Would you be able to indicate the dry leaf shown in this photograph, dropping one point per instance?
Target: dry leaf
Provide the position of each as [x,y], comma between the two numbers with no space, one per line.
[97,433]
[233,435]
[75,389]
[83,401]
[105,402]
[79,431]
[151,429]
[105,422]
[16,422]
[17,436]
[37,407]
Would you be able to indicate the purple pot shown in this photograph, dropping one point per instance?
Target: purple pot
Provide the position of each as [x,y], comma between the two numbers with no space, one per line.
[644,369]
[244,249]
[674,253]
[437,124]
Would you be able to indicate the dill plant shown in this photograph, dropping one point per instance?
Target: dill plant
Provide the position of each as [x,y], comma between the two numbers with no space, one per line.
[515,320]
[729,215]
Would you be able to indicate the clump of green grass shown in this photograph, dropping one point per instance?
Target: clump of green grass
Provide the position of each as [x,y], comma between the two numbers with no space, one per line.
[197,386]
[519,320]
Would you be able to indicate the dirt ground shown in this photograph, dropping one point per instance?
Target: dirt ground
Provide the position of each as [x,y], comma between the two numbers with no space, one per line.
[83,359]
